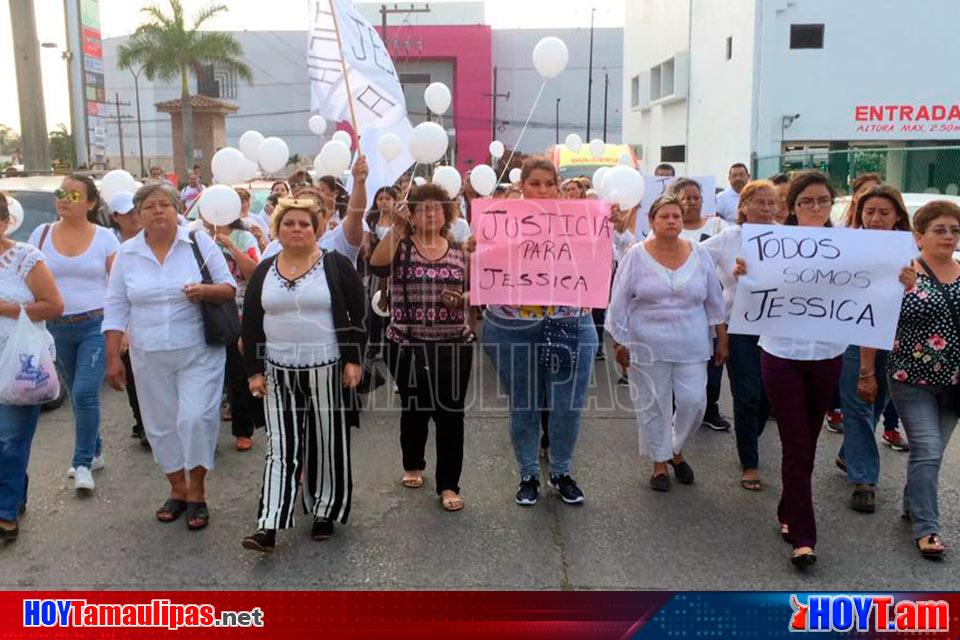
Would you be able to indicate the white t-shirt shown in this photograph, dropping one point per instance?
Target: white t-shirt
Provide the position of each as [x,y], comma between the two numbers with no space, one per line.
[711,227]
[298,319]
[82,279]
[333,240]
[727,203]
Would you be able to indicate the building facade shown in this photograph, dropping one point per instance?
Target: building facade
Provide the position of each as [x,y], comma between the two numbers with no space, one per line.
[783,84]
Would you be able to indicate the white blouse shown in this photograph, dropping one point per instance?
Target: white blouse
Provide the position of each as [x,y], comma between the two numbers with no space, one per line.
[665,315]
[15,265]
[725,248]
[799,349]
[146,298]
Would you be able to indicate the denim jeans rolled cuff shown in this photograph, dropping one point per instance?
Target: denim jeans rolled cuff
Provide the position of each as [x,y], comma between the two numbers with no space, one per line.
[17,427]
[750,407]
[82,362]
[860,418]
[928,417]
[538,371]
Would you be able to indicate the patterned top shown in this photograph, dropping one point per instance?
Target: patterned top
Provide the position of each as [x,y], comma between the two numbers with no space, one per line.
[417,311]
[15,264]
[926,350]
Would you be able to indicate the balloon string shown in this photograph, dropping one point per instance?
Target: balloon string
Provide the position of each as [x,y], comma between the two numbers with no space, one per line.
[536,101]
[413,174]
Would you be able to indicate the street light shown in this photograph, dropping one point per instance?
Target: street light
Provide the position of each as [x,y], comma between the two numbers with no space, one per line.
[785,122]
[136,88]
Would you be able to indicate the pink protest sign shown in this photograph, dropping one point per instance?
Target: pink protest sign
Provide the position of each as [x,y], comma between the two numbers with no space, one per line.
[541,252]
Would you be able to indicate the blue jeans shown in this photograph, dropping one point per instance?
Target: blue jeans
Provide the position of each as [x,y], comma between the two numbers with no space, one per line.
[82,362]
[537,374]
[928,417]
[750,407]
[17,426]
[860,418]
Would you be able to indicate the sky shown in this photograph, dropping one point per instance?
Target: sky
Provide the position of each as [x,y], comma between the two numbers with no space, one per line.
[121,17]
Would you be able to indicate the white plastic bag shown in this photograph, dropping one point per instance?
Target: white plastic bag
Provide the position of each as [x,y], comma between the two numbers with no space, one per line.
[28,373]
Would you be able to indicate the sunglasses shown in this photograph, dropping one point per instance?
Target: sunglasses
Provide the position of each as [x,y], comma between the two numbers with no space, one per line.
[72,196]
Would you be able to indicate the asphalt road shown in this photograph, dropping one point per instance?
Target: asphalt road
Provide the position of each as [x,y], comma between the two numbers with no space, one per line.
[711,535]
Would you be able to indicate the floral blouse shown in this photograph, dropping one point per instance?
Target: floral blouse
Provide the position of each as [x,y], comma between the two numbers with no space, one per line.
[926,350]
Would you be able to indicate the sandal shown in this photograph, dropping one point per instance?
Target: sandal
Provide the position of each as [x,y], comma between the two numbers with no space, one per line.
[413,482]
[803,559]
[171,510]
[935,550]
[451,501]
[751,484]
[198,516]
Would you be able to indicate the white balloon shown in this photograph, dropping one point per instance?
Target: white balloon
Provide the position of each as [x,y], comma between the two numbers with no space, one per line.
[250,171]
[335,157]
[319,168]
[438,98]
[429,142]
[419,181]
[448,178]
[219,205]
[375,303]
[250,143]
[597,148]
[273,154]
[623,185]
[625,159]
[597,180]
[390,146]
[496,149]
[117,181]
[345,138]
[574,142]
[515,175]
[16,215]
[228,165]
[550,57]
[317,125]
[483,179]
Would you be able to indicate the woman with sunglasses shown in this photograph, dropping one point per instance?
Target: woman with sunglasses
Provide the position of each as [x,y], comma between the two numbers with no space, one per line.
[80,255]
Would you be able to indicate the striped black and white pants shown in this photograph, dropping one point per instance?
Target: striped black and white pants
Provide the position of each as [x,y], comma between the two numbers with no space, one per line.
[308,438]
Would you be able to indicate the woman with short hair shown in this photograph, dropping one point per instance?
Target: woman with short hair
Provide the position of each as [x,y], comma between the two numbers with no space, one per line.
[303,342]
[154,298]
[924,367]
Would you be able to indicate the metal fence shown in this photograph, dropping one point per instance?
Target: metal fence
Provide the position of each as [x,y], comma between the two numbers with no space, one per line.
[933,169]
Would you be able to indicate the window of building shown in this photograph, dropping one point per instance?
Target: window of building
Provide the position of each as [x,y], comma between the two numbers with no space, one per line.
[729,47]
[674,153]
[655,93]
[635,91]
[806,36]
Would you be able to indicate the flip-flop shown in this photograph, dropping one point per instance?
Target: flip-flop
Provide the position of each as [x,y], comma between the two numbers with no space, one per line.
[413,483]
[931,553]
[751,485]
[171,510]
[451,503]
[197,511]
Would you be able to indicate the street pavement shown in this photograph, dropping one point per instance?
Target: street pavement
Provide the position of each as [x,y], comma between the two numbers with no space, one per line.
[712,535]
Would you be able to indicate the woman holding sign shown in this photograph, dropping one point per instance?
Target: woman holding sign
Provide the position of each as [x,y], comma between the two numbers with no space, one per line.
[665,298]
[542,353]
[924,365]
[759,204]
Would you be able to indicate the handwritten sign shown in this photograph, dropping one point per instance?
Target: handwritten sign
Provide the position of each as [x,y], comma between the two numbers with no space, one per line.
[541,252]
[828,284]
[656,186]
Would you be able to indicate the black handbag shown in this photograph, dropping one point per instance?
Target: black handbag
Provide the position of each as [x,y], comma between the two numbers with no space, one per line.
[221,320]
[954,315]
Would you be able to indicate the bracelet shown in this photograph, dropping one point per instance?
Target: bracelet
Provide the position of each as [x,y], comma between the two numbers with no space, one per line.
[867,376]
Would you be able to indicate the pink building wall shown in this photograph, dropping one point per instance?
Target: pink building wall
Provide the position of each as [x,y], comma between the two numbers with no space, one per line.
[470,48]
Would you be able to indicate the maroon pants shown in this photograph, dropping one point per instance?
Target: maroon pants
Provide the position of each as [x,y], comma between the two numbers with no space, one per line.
[800,393]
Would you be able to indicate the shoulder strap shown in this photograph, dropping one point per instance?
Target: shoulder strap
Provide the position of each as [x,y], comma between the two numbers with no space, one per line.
[204,272]
[43,235]
[951,304]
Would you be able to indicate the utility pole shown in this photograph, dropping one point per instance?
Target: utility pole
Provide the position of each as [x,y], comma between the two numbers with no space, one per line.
[606,89]
[33,115]
[590,73]
[136,88]
[384,12]
[495,96]
[558,121]
[120,119]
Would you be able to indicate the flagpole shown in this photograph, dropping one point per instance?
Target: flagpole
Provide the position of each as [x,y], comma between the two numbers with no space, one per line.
[346,77]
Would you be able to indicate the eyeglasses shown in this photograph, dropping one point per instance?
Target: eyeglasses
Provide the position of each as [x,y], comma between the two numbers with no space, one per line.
[814,203]
[945,231]
[72,196]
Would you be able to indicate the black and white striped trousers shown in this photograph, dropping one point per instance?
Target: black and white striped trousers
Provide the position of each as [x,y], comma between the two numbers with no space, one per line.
[306,431]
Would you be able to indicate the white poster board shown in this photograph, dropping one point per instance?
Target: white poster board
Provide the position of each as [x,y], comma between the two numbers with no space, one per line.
[822,283]
[656,186]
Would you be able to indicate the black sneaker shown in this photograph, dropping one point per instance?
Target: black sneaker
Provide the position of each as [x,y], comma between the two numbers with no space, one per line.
[567,488]
[322,528]
[864,499]
[528,491]
[841,464]
[683,471]
[624,381]
[264,541]
[716,422]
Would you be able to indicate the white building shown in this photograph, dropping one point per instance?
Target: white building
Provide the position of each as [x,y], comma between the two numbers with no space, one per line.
[782,84]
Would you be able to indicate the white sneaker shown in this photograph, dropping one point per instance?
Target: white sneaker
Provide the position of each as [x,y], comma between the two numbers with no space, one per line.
[83,479]
[95,465]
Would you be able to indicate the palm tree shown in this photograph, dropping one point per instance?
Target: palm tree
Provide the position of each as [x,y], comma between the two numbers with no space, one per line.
[166,49]
[61,147]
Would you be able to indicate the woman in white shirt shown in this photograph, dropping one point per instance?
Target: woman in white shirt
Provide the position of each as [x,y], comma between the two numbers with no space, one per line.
[759,203]
[80,253]
[154,298]
[666,297]
[24,281]
[303,341]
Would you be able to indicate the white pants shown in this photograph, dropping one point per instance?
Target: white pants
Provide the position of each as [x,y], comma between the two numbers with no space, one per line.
[654,388]
[179,393]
